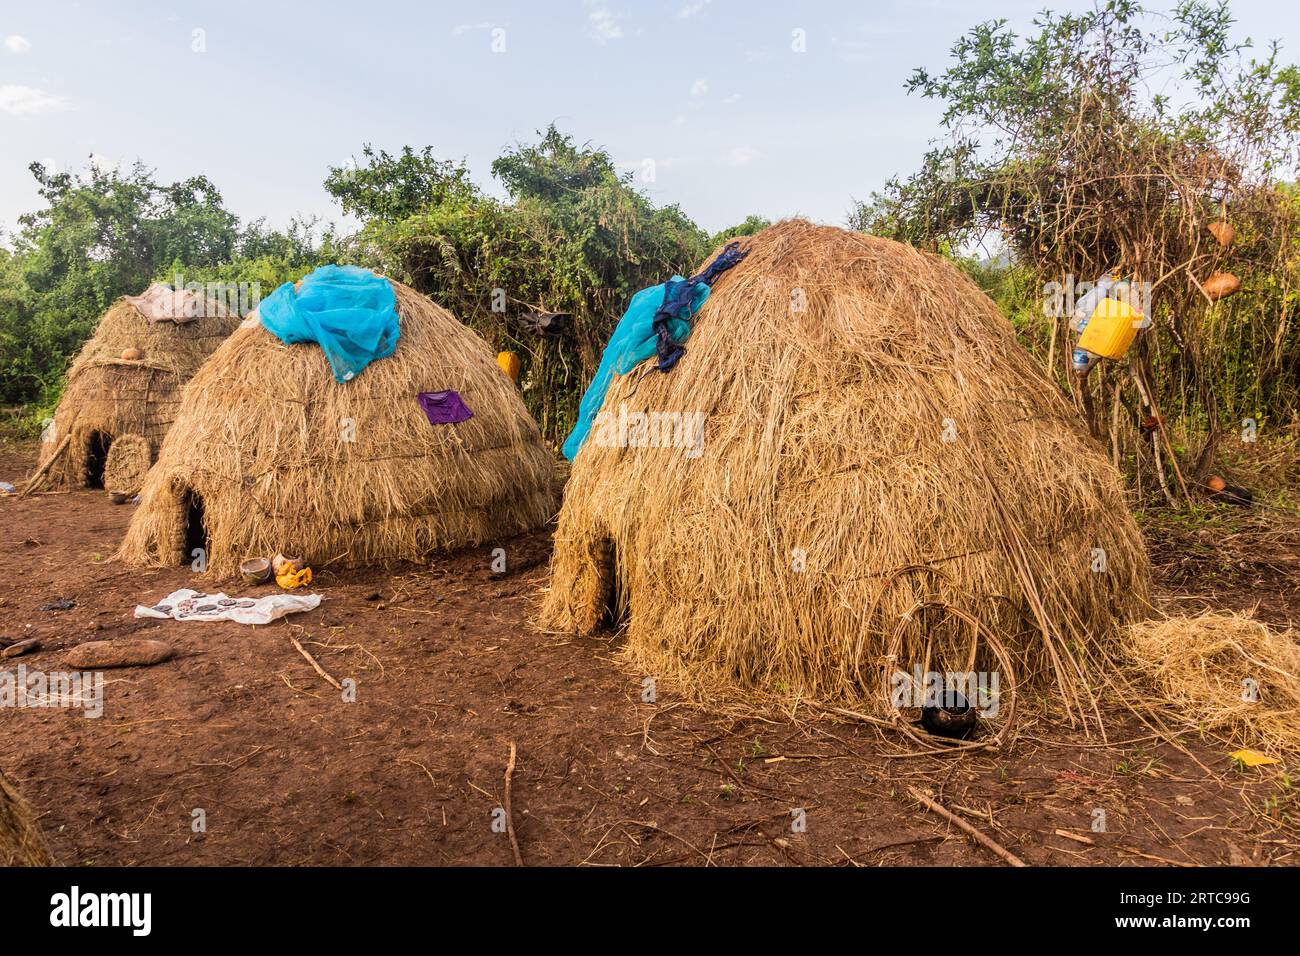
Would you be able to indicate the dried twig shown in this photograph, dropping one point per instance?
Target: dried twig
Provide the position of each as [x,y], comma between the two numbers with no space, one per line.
[961,824]
[510,823]
[312,661]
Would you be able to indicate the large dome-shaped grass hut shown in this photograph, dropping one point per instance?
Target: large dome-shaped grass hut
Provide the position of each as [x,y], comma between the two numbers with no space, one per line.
[873,439]
[124,388]
[270,453]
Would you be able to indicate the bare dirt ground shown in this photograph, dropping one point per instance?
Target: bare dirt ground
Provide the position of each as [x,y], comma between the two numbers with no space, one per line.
[449,673]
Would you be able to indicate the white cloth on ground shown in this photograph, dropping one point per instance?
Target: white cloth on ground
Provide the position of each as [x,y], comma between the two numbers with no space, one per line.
[190,605]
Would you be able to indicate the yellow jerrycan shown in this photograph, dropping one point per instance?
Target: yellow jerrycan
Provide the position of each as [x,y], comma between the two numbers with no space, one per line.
[1111,330]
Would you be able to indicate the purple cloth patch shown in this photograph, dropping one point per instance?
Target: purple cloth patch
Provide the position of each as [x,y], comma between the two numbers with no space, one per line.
[444,408]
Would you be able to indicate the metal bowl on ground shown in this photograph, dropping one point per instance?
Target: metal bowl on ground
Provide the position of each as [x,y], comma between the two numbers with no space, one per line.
[255,570]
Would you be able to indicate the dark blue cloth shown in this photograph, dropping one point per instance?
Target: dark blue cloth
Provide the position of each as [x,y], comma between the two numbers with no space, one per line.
[657,320]
[679,294]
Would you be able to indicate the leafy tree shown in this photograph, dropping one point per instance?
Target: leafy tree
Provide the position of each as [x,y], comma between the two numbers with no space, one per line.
[573,236]
[751,225]
[392,188]
[1106,142]
[107,233]
[21,360]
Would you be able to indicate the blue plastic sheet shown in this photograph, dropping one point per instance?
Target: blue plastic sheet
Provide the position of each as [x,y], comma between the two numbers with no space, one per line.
[656,323]
[350,312]
[634,340]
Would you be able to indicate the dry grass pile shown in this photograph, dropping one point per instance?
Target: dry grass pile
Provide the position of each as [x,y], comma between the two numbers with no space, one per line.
[21,841]
[874,438]
[1227,674]
[109,396]
[128,461]
[269,454]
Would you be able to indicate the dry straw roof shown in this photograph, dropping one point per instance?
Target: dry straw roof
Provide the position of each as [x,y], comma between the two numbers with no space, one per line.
[108,396]
[874,438]
[269,454]
[21,841]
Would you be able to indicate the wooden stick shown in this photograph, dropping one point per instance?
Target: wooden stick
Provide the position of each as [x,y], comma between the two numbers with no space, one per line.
[510,823]
[35,479]
[961,824]
[312,661]
[1148,401]
[856,715]
[1158,859]
[1199,288]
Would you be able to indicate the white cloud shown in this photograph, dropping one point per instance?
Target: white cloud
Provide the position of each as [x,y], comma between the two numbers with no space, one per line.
[691,9]
[603,25]
[729,100]
[16,44]
[463,28]
[699,87]
[27,101]
[741,156]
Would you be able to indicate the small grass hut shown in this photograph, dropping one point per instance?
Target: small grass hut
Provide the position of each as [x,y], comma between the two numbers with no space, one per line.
[271,454]
[21,841]
[126,383]
[873,439]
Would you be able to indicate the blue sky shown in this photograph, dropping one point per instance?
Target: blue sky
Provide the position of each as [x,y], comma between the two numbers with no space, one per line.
[263,96]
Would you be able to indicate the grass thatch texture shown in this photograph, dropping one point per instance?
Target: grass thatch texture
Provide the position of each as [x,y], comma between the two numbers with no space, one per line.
[830,367]
[284,459]
[1200,665]
[21,841]
[108,396]
[127,463]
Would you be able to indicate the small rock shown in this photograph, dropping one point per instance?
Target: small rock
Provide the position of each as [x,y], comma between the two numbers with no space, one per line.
[62,604]
[123,653]
[22,647]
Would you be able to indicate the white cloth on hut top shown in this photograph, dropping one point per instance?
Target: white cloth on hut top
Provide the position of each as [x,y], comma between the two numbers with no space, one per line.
[190,605]
[161,303]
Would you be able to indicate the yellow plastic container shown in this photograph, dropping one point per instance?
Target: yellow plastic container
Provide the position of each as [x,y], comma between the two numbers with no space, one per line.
[1111,330]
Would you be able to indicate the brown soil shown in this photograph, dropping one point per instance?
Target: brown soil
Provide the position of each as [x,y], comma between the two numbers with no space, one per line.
[449,673]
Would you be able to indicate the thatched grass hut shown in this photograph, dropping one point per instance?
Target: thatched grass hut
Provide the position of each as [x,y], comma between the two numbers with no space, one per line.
[270,454]
[126,380]
[874,438]
[21,841]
